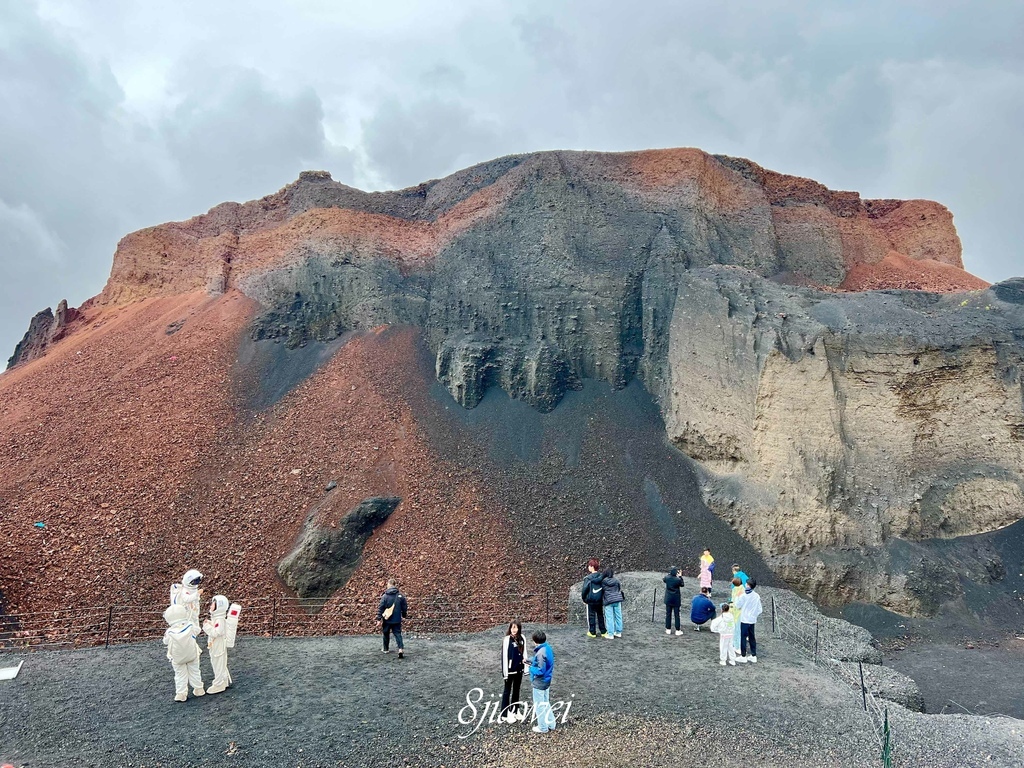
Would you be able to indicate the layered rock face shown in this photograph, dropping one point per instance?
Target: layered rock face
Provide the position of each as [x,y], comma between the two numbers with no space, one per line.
[832,428]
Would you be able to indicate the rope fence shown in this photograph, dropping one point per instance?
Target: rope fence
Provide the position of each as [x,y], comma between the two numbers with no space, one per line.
[275,616]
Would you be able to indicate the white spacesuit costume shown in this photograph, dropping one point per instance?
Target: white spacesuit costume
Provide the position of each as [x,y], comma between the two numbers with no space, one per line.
[215,629]
[187,594]
[183,652]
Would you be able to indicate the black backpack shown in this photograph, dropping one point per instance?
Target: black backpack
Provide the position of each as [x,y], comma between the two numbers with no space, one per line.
[593,594]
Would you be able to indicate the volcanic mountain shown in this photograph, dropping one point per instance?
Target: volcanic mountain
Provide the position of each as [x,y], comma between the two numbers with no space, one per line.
[478,383]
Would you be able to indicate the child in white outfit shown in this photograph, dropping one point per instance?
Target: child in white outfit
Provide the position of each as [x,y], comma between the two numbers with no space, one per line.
[215,628]
[183,652]
[725,626]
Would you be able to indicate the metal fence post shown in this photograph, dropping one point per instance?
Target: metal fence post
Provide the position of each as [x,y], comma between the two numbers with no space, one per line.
[863,689]
[773,615]
[273,618]
[817,630]
[654,602]
[547,607]
[110,623]
[886,743]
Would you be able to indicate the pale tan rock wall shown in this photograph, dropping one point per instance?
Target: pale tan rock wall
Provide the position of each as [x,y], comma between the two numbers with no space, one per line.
[816,441]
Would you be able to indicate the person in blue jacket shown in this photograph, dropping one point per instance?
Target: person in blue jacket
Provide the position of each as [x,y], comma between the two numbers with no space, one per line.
[542,668]
[737,573]
[702,610]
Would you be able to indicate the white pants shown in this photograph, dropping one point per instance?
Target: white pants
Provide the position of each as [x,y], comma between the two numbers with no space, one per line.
[221,676]
[186,675]
[726,650]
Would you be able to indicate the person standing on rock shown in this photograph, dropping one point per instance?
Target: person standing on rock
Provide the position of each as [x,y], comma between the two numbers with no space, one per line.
[613,599]
[392,609]
[749,604]
[513,650]
[702,610]
[707,570]
[542,669]
[593,596]
[672,600]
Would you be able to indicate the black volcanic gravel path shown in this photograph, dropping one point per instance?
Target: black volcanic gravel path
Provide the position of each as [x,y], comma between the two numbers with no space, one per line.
[639,700]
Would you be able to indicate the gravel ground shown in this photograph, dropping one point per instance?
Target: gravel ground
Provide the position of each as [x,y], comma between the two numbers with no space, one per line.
[339,701]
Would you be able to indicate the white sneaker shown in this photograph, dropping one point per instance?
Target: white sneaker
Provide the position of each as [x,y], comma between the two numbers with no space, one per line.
[538,729]
[668,631]
[180,696]
[696,628]
[753,659]
[198,692]
[732,663]
[722,663]
[679,631]
[618,634]
[741,659]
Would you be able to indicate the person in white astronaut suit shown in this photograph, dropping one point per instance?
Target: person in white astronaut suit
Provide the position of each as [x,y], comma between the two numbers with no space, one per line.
[188,593]
[183,652]
[215,629]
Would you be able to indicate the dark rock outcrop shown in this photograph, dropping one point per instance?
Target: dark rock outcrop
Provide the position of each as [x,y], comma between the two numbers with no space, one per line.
[44,329]
[325,558]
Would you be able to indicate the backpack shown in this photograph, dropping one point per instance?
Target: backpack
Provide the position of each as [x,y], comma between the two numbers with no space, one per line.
[591,594]
[181,647]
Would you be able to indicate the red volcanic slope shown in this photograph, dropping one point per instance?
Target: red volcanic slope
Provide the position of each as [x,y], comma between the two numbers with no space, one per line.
[165,473]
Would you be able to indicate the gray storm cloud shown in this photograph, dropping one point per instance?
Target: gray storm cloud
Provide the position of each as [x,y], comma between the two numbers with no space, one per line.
[118,115]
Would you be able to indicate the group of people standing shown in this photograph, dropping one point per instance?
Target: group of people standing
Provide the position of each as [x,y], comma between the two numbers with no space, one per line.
[183,629]
[737,623]
[542,669]
[603,595]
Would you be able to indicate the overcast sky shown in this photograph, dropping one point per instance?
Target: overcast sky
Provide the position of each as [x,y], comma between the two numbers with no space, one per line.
[119,114]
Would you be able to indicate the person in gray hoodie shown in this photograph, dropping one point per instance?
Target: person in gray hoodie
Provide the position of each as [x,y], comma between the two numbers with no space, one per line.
[613,599]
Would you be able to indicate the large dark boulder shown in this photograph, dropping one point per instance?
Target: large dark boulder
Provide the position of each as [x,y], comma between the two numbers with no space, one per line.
[325,558]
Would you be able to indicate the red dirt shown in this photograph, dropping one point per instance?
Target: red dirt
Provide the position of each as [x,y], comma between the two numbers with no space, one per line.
[180,257]
[132,495]
[898,271]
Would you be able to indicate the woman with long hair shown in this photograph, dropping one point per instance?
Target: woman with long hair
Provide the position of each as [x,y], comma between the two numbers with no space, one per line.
[512,652]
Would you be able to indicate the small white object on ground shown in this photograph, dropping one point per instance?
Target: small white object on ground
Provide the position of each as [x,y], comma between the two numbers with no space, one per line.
[9,673]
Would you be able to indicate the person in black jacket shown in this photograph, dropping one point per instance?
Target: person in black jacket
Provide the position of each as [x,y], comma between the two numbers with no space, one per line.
[392,609]
[613,599]
[672,600]
[512,650]
[593,596]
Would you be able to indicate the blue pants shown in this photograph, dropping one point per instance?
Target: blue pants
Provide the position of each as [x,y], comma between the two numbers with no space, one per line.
[397,629]
[542,709]
[613,618]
